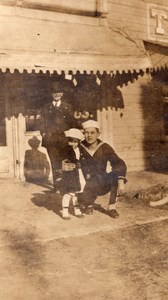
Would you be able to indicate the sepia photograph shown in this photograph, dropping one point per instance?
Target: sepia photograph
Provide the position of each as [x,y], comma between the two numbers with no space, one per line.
[84,149]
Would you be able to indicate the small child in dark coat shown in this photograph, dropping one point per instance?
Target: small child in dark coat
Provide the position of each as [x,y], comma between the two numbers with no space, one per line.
[72,181]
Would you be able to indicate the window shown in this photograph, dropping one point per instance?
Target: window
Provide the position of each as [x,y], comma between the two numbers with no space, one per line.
[35,89]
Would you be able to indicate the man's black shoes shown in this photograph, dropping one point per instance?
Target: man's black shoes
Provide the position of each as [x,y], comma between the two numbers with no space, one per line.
[89,210]
[113,213]
[55,190]
[79,216]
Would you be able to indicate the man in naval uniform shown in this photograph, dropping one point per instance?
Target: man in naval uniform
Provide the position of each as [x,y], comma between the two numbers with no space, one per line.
[95,155]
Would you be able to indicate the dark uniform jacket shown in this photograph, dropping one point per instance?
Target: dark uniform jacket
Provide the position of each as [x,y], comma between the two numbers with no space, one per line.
[54,121]
[95,166]
[70,180]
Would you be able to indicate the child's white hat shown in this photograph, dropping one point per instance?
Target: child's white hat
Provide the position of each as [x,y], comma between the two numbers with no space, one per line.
[90,123]
[74,133]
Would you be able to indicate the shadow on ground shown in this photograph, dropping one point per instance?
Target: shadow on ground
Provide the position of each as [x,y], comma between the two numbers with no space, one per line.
[49,200]
[53,201]
[45,183]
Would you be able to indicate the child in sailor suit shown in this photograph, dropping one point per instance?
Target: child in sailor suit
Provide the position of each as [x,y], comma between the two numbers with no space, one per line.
[73,181]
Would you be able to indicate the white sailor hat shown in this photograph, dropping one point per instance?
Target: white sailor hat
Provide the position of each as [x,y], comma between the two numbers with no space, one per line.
[90,123]
[74,133]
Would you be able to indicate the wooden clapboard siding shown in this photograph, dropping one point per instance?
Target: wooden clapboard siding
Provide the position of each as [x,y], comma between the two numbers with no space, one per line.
[138,165]
[131,16]
[137,154]
[125,147]
[137,129]
[126,113]
[146,132]
[131,3]
[158,2]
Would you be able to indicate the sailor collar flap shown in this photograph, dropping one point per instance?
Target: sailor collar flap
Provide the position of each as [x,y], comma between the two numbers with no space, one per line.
[88,151]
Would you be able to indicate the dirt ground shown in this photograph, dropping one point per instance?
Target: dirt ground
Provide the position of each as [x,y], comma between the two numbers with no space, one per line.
[124,264]
[96,258]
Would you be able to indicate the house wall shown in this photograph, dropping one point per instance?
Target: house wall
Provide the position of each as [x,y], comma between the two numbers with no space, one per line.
[131,16]
[138,129]
[135,132]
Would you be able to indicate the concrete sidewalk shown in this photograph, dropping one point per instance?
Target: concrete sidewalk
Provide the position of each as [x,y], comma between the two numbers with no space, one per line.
[32,210]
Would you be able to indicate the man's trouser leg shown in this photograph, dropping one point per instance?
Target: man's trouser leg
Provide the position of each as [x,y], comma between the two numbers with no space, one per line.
[99,186]
[107,183]
[55,163]
[113,184]
[89,194]
[113,187]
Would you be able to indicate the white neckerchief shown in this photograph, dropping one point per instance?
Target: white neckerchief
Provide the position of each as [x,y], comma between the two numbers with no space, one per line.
[92,152]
